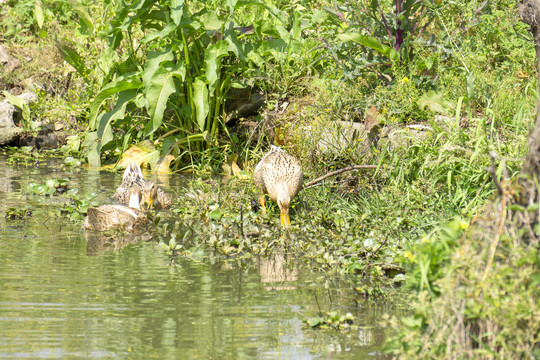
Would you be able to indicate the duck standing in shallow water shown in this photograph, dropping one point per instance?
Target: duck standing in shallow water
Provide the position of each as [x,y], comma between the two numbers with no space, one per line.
[153,195]
[279,175]
[108,217]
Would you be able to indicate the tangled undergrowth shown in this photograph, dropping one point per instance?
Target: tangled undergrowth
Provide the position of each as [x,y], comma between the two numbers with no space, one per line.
[481,299]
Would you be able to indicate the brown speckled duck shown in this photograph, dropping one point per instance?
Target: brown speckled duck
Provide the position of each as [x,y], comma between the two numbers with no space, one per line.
[279,175]
[108,217]
[153,194]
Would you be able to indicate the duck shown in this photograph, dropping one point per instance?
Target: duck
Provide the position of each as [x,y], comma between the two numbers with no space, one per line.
[108,217]
[153,195]
[279,175]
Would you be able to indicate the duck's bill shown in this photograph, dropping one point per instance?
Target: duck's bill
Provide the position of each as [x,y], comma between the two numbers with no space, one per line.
[285,220]
[149,200]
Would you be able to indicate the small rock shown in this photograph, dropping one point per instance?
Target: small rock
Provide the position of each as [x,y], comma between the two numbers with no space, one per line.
[30,84]
[9,134]
[44,139]
[54,126]
[4,55]
[12,65]
[6,115]
[28,97]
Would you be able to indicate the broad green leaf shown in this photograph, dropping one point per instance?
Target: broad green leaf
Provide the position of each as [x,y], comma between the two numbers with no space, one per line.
[91,142]
[153,61]
[105,134]
[370,42]
[256,57]
[38,14]
[21,104]
[235,46]
[435,102]
[412,322]
[283,33]
[177,10]
[157,95]
[297,26]
[72,58]
[127,83]
[212,58]
[158,34]
[87,27]
[215,215]
[108,59]
[158,86]
[211,21]
[200,99]
[319,17]
[314,322]
[264,28]
[14,100]
[178,70]
[104,131]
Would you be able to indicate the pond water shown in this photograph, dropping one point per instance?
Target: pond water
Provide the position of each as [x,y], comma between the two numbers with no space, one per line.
[65,296]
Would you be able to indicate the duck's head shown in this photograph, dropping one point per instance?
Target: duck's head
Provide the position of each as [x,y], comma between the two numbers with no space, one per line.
[150,193]
[283,200]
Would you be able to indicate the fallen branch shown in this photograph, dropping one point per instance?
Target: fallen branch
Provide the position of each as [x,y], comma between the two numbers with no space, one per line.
[348,168]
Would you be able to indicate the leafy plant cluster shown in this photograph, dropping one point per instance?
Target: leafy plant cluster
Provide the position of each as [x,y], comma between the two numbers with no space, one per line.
[168,68]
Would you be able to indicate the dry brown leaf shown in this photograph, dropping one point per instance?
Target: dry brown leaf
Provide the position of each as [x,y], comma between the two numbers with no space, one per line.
[373,118]
[164,166]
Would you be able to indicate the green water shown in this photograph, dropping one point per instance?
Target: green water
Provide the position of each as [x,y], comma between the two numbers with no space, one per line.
[65,296]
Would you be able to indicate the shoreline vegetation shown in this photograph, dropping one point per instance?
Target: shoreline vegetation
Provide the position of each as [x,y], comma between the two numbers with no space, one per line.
[437,97]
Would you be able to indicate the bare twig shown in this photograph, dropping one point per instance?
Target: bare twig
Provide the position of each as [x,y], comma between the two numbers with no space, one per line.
[348,168]
[242,221]
[378,248]
[385,266]
[491,170]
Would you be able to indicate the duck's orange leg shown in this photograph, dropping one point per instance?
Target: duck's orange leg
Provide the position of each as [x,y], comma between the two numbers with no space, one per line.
[263,203]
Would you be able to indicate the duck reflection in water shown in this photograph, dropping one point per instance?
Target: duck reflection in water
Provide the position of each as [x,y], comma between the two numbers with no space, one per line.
[275,272]
[98,242]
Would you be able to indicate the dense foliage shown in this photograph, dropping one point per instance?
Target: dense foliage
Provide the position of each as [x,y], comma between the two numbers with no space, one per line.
[439,83]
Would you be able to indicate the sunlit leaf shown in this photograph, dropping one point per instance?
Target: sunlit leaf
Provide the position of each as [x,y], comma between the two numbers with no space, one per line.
[200,98]
[115,87]
[215,215]
[142,153]
[163,166]
[91,142]
[435,102]
[212,58]
[177,10]
[314,322]
[38,14]
[104,130]
[210,20]
[158,34]
[72,58]
[158,86]
[87,27]
[370,42]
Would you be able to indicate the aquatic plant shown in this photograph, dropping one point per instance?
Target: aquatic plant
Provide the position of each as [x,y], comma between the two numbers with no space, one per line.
[18,213]
[333,320]
[49,187]
[78,204]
